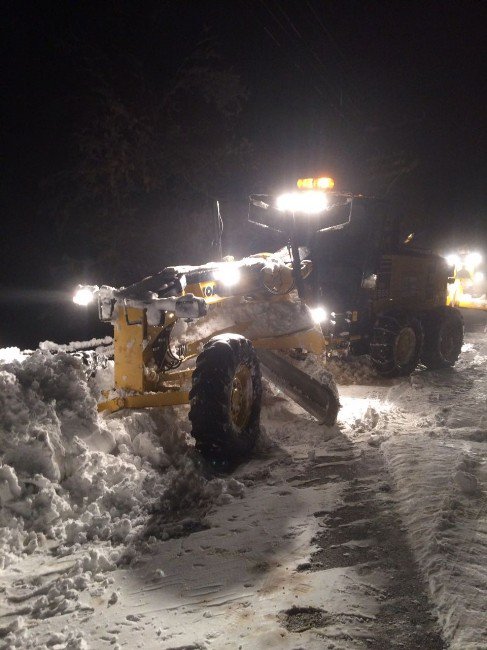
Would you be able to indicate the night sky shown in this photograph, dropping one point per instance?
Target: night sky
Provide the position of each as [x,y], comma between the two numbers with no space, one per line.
[388,97]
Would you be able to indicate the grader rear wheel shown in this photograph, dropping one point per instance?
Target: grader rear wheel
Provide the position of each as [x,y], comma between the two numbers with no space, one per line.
[443,338]
[396,345]
[225,399]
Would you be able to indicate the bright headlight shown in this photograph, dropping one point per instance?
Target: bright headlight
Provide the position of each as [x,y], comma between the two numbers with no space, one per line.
[84,295]
[473,259]
[453,259]
[318,314]
[228,275]
[303,202]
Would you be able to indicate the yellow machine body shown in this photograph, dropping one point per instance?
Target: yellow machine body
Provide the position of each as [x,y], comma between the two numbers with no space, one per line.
[139,384]
[466,301]
[460,293]
[468,286]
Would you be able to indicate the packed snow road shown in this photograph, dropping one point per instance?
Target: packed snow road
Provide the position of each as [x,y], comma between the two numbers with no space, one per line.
[370,534]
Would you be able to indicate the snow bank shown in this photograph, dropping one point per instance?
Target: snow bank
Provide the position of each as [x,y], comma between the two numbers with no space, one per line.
[95,344]
[44,401]
[69,475]
[439,465]
[7,355]
[447,527]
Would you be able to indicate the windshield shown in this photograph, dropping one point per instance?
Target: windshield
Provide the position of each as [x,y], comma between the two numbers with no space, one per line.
[263,213]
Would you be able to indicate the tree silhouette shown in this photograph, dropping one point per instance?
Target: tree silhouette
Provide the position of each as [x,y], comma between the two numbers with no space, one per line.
[152,153]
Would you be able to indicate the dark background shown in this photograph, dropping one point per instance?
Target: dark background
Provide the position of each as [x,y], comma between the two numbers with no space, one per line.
[123,121]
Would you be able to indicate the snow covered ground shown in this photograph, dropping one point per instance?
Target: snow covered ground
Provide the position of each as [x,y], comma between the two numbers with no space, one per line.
[370,534]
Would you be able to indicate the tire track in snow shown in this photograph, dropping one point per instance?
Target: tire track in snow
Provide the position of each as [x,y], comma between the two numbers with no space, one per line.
[365,533]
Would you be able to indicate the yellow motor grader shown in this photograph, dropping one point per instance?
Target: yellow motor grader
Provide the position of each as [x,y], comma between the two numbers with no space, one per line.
[218,315]
[342,283]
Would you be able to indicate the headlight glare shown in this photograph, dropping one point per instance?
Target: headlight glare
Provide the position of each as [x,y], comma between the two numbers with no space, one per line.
[311,202]
[84,295]
[473,259]
[318,314]
[453,259]
[228,275]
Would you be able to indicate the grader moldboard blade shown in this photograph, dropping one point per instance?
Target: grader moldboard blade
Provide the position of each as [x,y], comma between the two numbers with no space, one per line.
[320,400]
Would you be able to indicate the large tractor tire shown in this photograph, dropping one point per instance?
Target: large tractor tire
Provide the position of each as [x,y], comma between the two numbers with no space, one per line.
[396,345]
[443,338]
[225,399]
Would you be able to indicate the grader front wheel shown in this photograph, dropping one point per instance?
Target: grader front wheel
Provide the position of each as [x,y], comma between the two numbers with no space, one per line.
[225,399]
[241,397]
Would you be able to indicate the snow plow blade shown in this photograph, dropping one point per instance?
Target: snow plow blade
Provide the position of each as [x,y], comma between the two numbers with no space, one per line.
[319,399]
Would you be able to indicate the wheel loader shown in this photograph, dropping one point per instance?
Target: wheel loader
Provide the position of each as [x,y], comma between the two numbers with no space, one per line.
[343,283]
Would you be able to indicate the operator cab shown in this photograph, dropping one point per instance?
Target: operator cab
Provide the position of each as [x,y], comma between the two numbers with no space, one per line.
[346,256]
[344,241]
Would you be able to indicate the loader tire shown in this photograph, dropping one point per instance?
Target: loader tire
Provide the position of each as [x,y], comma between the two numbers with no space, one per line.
[443,338]
[225,399]
[396,345]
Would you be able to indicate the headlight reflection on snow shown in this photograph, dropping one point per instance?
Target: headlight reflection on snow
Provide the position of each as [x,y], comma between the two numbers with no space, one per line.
[363,412]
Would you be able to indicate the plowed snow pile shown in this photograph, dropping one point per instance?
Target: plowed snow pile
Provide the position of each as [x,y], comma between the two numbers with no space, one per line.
[109,524]
[67,475]
[90,501]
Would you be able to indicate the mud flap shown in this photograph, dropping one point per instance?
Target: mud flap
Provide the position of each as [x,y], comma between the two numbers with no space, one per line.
[319,399]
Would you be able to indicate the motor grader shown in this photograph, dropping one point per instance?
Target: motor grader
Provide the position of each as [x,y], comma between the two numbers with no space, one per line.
[342,283]
[191,335]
